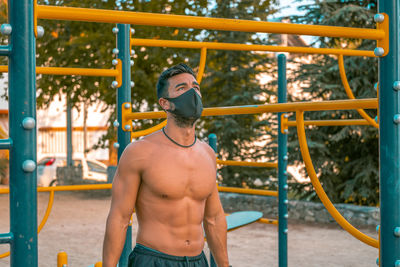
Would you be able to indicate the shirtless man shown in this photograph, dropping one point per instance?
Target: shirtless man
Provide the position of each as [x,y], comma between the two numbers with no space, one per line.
[169,178]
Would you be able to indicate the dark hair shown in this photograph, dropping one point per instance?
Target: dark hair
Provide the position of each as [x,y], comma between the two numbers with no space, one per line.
[162,84]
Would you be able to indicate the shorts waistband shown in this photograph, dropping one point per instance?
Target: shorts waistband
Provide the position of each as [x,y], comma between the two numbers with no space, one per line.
[139,248]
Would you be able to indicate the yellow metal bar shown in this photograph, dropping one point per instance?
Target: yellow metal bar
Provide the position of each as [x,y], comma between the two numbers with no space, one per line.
[149,130]
[370,103]
[249,47]
[35,18]
[202,65]
[246,163]
[62,259]
[384,26]
[66,188]
[349,93]
[5,255]
[181,21]
[98,264]
[248,191]
[72,71]
[42,223]
[268,221]
[118,70]
[330,122]
[320,191]
[48,211]
[77,71]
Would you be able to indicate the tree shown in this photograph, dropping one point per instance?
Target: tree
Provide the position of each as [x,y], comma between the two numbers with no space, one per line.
[232,79]
[345,158]
[89,45]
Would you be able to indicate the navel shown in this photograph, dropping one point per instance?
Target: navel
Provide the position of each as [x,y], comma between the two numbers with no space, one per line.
[164,196]
[187,242]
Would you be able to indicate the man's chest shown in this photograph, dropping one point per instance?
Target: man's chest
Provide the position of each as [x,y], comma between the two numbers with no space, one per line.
[179,175]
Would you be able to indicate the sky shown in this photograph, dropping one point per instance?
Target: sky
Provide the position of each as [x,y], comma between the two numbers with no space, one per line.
[289,7]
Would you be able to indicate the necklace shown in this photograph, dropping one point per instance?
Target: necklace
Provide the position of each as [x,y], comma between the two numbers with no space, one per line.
[176,143]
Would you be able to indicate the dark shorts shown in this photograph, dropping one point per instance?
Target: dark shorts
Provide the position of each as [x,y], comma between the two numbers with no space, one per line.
[142,256]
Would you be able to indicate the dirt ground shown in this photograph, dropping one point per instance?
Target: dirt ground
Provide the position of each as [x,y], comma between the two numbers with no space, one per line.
[76,226]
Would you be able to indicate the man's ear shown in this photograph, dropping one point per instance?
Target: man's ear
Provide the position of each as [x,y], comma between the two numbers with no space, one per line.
[164,103]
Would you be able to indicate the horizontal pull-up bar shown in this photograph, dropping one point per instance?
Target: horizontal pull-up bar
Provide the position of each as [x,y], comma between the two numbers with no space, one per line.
[182,21]
[72,71]
[247,163]
[370,103]
[249,47]
[117,72]
[330,122]
[238,190]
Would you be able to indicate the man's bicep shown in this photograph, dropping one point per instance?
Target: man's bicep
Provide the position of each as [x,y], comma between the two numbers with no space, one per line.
[125,187]
[213,205]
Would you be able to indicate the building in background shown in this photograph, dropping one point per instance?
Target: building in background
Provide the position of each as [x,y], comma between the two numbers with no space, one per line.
[52,132]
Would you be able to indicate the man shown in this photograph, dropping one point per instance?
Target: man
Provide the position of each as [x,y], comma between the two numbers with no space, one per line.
[169,178]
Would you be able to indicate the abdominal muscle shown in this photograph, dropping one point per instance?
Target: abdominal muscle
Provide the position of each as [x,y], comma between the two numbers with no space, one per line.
[171,226]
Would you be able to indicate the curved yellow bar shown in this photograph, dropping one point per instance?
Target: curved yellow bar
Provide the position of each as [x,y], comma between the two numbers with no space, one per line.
[249,47]
[350,93]
[202,65]
[369,103]
[320,191]
[206,23]
[48,211]
[149,130]
[247,163]
[42,223]
[248,191]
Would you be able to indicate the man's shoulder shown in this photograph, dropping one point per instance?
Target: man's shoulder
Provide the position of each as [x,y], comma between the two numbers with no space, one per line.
[207,149]
[144,145]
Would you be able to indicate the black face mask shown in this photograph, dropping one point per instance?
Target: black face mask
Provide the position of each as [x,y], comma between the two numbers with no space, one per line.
[187,105]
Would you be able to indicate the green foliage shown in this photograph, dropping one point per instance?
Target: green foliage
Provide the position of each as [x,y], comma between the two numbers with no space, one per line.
[345,158]
[232,79]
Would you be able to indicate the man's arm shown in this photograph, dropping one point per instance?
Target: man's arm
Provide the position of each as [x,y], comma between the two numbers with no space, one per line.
[215,227]
[124,192]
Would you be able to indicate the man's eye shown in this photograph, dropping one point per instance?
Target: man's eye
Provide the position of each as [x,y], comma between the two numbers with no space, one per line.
[180,88]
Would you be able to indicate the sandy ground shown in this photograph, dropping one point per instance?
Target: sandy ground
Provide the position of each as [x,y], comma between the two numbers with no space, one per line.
[76,226]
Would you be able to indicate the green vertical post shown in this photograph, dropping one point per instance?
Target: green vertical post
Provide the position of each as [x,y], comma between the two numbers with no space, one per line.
[282,166]
[124,95]
[22,121]
[389,145]
[212,141]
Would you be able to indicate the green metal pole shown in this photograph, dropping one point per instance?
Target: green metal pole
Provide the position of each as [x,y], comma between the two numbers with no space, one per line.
[389,138]
[22,121]
[124,95]
[282,166]
[212,141]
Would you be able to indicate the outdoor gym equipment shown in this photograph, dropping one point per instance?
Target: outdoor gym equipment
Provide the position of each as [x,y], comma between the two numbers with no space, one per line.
[22,28]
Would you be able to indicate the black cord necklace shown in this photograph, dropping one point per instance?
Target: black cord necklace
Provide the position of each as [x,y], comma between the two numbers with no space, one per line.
[176,143]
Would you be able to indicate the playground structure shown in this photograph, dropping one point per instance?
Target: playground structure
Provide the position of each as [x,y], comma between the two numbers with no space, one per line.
[22,28]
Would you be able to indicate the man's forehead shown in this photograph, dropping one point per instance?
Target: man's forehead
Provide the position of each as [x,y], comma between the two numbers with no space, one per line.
[182,78]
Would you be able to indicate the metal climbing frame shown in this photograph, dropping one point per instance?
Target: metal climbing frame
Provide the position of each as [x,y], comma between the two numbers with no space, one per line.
[22,119]
[389,139]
